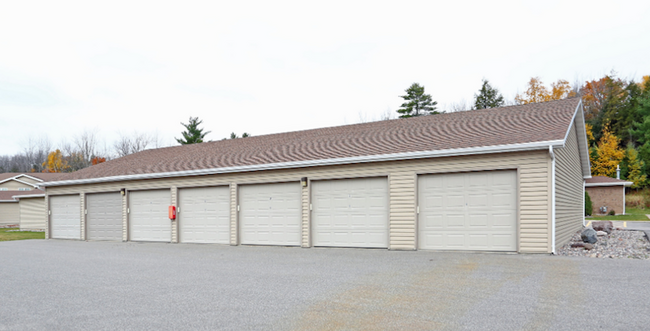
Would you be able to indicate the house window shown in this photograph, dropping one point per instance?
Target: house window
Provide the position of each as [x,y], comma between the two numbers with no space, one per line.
[4,189]
[24,189]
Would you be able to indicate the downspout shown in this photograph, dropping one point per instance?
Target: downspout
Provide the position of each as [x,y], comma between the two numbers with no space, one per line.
[552,154]
[584,192]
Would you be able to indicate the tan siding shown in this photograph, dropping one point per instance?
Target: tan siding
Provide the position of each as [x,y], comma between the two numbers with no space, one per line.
[306,233]
[402,204]
[32,214]
[29,180]
[9,213]
[13,185]
[174,222]
[47,217]
[568,190]
[533,169]
[234,215]
[125,216]
[82,199]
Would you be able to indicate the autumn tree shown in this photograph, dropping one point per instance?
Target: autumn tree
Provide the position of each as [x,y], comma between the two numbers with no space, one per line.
[607,155]
[537,92]
[193,134]
[55,162]
[634,167]
[417,103]
[97,160]
[488,97]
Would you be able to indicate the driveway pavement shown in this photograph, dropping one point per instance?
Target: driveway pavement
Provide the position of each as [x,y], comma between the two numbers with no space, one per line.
[68,285]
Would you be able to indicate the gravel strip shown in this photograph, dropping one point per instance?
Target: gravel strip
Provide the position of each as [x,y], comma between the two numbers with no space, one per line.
[619,244]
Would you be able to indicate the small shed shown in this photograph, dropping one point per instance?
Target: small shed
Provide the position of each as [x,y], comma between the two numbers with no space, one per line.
[606,194]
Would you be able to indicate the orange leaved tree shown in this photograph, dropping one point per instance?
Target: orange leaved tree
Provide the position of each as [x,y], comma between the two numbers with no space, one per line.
[608,155]
[55,162]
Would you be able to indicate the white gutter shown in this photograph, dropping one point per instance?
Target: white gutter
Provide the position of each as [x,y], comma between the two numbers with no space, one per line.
[609,184]
[316,163]
[42,195]
[550,151]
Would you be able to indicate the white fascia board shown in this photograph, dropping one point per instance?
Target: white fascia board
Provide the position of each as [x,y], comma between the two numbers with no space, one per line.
[42,195]
[34,178]
[583,144]
[541,145]
[18,180]
[608,184]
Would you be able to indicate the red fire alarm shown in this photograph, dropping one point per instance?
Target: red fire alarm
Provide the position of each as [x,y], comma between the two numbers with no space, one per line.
[172,212]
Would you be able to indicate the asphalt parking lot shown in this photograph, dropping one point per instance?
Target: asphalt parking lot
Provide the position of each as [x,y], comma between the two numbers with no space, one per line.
[73,285]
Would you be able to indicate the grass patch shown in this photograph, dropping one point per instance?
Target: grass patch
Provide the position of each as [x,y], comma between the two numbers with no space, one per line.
[8,234]
[632,214]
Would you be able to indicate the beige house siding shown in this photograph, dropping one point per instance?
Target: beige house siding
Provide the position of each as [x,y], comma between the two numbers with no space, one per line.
[612,197]
[569,208]
[533,170]
[175,222]
[29,180]
[14,185]
[9,213]
[32,213]
[234,233]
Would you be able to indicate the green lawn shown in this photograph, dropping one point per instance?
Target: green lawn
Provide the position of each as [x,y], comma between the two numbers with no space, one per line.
[632,214]
[8,234]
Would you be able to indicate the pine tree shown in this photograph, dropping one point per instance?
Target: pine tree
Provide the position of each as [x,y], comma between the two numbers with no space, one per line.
[608,155]
[417,103]
[194,134]
[634,166]
[488,97]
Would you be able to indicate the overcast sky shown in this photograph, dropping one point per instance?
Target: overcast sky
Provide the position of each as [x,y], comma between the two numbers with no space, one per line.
[275,66]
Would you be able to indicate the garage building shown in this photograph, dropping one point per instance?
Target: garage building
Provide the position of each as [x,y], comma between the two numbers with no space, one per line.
[505,179]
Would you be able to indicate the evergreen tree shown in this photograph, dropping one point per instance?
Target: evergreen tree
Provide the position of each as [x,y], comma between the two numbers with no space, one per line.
[194,134]
[488,97]
[634,167]
[417,103]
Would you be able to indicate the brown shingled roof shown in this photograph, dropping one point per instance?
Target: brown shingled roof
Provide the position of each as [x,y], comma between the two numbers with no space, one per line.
[8,195]
[479,128]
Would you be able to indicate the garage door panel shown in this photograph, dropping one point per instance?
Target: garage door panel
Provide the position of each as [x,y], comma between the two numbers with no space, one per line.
[204,215]
[478,214]
[104,218]
[66,217]
[271,214]
[148,217]
[350,213]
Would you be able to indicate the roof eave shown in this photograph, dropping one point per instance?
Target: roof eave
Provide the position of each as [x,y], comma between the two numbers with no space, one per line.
[628,184]
[325,162]
[29,196]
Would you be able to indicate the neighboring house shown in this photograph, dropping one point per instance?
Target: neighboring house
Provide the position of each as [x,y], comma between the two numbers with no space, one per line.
[505,179]
[607,194]
[21,184]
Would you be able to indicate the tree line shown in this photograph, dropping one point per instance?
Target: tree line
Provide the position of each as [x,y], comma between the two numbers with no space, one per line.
[616,111]
[88,148]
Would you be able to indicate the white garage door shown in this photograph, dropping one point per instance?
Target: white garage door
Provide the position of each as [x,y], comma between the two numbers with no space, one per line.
[468,211]
[350,212]
[66,217]
[270,214]
[204,215]
[149,216]
[104,216]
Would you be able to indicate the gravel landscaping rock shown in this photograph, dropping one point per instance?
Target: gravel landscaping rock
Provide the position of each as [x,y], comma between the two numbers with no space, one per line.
[588,235]
[618,244]
[605,226]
